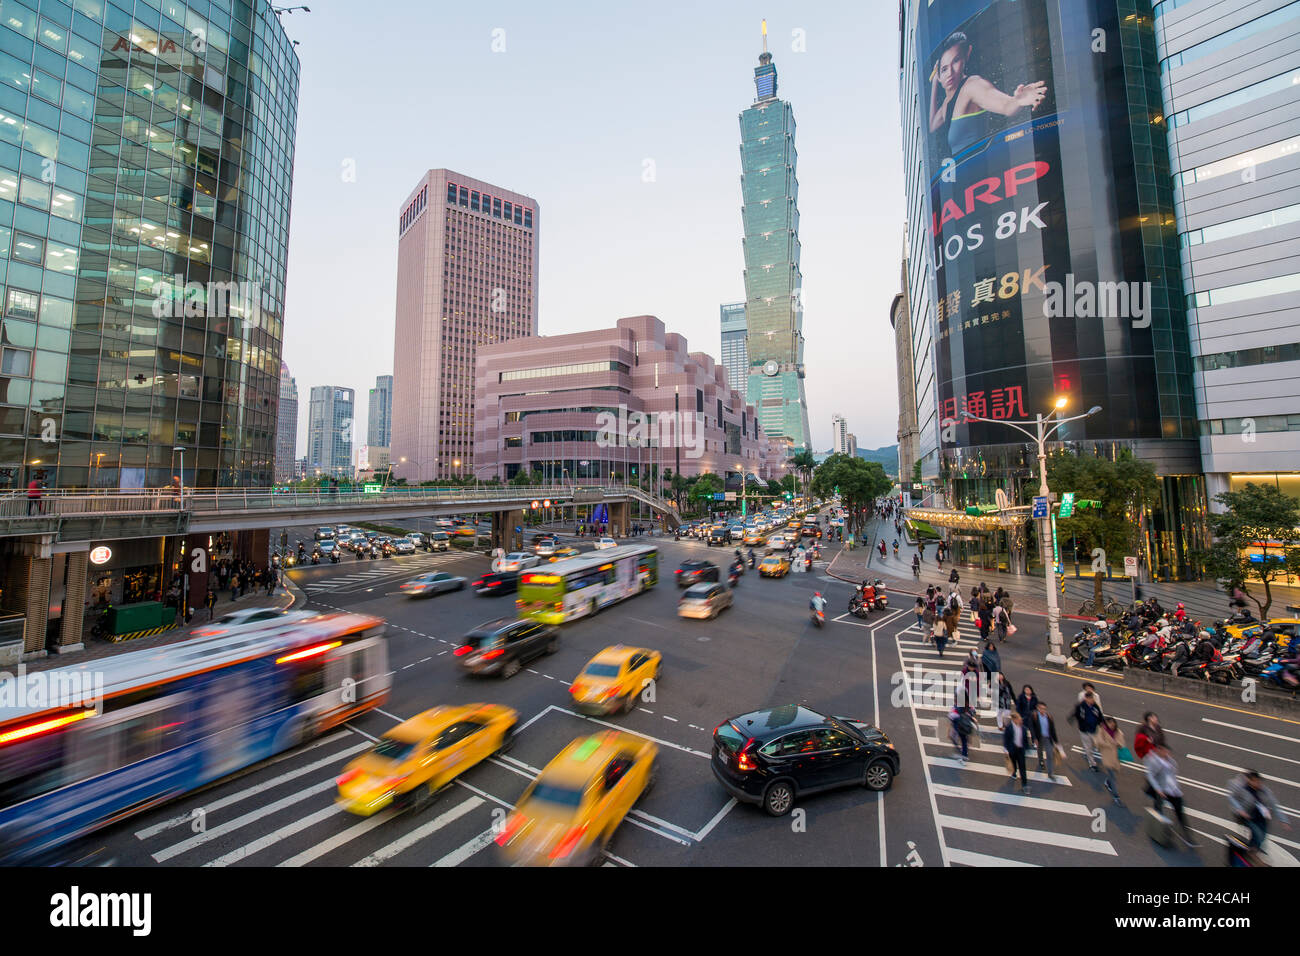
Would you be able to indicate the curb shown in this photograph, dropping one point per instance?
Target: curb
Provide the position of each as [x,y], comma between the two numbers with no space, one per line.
[1267,702]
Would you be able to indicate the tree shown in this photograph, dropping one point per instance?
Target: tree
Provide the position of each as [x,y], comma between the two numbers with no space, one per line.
[1261,518]
[775,488]
[916,472]
[704,486]
[860,483]
[804,463]
[1124,486]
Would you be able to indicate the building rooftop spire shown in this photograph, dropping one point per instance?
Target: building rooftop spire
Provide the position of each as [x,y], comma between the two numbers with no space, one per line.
[765,72]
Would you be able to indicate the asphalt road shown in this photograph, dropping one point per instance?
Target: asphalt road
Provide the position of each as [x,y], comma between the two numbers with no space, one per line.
[760,653]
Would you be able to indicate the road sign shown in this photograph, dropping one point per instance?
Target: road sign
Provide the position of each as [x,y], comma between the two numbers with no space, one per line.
[1040,507]
[1067,504]
[373,488]
[1130,566]
[729,496]
[536,505]
[546,503]
[719,496]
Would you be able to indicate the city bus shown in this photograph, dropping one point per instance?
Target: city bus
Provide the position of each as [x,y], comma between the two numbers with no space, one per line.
[166,721]
[581,586]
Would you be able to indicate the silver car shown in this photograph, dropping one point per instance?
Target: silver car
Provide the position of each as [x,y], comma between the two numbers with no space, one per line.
[705,600]
[435,582]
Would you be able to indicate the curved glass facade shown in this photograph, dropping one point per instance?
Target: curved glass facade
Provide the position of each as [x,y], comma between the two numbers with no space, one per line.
[146,158]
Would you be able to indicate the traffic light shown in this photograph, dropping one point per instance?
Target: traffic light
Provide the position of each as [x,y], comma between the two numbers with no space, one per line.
[789,496]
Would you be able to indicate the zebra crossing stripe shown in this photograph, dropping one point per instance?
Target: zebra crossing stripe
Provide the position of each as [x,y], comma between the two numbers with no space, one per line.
[419,833]
[970,858]
[274,837]
[176,849]
[461,854]
[334,842]
[1027,835]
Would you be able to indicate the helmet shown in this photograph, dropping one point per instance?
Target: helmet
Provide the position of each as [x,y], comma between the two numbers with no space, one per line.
[817,594]
[1180,605]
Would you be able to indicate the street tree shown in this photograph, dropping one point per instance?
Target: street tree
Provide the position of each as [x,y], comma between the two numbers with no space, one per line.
[860,483]
[1261,519]
[1125,486]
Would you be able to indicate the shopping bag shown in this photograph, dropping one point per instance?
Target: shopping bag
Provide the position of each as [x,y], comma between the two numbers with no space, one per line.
[1125,755]
[975,618]
[1060,753]
[1011,766]
[956,633]
[1011,629]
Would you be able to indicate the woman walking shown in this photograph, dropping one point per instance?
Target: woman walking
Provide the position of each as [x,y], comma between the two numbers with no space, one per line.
[1110,741]
[939,634]
[1006,700]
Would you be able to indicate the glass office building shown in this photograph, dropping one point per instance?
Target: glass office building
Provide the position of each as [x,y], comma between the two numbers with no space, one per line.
[735,358]
[146,157]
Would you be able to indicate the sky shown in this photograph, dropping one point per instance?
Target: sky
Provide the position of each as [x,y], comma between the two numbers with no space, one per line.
[621,121]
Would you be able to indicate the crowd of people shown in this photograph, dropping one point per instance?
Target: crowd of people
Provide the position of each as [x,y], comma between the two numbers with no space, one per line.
[941,617]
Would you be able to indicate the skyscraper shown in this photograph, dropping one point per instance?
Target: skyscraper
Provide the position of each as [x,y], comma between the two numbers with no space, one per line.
[379,428]
[466,275]
[735,356]
[286,427]
[773,313]
[131,156]
[329,431]
[839,435]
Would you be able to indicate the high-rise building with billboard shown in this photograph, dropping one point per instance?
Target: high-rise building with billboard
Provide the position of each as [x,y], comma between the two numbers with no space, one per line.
[1044,254]
[1231,85]
[466,276]
[286,427]
[735,357]
[773,309]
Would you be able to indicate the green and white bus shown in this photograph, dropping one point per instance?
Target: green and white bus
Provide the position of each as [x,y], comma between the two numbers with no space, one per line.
[581,586]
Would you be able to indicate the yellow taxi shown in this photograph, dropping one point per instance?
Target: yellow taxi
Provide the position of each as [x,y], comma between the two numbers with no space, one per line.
[613,679]
[422,755]
[754,537]
[774,566]
[559,554]
[568,814]
[1284,630]
[465,531]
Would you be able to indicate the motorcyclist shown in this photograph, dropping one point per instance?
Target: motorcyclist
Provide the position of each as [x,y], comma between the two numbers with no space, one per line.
[1205,649]
[752,560]
[818,603]
[302,552]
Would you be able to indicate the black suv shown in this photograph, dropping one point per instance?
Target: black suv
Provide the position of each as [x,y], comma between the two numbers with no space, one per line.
[773,757]
[718,534]
[693,572]
[503,646]
[497,582]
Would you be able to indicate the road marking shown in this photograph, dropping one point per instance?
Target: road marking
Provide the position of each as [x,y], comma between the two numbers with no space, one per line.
[380,710]
[618,859]
[646,711]
[506,766]
[462,853]
[1012,799]
[954,763]
[673,719]
[537,716]
[419,833]
[628,730]
[650,623]
[250,791]
[336,841]
[969,858]
[1027,835]
[483,793]
[1251,730]
[519,763]
[929,781]
[1228,766]
[274,837]
[663,823]
[531,671]
[424,659]
[176,849]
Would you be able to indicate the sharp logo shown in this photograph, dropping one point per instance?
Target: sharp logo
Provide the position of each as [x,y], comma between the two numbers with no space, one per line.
[155,47]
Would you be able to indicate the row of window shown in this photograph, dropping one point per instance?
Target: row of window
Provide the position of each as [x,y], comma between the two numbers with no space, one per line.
[1246,224]
[1245,426]
[1274,84]
[563,435]
[413,210]
[485,203]
[1245,290]
[580,368]
[1240,162]
[1244,358]
[1268,21]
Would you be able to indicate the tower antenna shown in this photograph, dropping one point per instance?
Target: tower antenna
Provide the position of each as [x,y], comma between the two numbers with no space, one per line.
[764,36]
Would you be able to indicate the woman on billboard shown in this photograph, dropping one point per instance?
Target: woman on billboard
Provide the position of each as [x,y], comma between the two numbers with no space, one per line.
[964,109]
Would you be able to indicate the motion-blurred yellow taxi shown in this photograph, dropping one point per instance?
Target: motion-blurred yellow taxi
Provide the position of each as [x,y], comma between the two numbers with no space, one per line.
[754,537]
[613,679]
[559,554]
[568,814]
[422,755]
[774,566]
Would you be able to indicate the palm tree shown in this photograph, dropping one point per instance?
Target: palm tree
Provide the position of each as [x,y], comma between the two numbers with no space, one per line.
[804,463]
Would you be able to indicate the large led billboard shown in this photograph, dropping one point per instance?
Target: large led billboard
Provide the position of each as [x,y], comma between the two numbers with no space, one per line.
[1037,241]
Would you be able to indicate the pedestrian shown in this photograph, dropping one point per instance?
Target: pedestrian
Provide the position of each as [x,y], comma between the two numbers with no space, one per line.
[1006,700]
[211,602]
[1254,807]
[34,497]
[991,660]
[968,688]
[998,615]
[882,548]
[1149,734]
[1087,688]
[951,619]
[234,586]
[963,725]
[920,612]
[1044,728]
[1162,778]
[1015,741]
[939,634]
[986,619]
[1087,717]
[1110,742]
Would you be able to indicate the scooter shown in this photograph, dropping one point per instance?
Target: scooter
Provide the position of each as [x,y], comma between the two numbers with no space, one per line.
[818,615]
[858,608]
[315,557]
[335,558]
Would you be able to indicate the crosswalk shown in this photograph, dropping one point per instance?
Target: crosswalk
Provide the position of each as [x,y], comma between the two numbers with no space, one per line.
[394,568]
[283,814]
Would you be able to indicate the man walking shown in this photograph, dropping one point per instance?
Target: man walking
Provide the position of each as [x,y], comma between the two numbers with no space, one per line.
[210,601]
[1254,807]
[34,497]
[1044,728]
[1087,717]
[1015,740]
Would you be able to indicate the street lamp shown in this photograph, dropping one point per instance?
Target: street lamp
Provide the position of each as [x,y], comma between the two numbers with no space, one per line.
[1039,436]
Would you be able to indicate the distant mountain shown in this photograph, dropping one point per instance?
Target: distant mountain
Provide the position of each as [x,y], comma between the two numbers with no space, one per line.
[887,456]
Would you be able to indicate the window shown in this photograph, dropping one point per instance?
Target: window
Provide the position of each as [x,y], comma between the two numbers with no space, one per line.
[28,248]
[16,362]
[789,745]
[828,739]
[1225,39]
[1237,293]
[1233,164]
[496,207]
[451,192]
[22,304]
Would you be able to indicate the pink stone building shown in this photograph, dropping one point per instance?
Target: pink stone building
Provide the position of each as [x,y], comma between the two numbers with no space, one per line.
[629,401]
[466,278]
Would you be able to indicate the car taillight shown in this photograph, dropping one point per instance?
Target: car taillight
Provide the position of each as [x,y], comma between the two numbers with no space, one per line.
[609,692]
[678,571]
[493,655]
[478,583]
[462,650]
[511,828]
[347,777]
[571,840]
[745,760]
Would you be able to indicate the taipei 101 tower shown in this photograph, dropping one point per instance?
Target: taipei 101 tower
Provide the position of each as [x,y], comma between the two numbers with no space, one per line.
[770,214]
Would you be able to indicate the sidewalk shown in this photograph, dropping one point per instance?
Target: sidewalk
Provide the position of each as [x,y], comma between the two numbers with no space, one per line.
[1204,600]
[101,649]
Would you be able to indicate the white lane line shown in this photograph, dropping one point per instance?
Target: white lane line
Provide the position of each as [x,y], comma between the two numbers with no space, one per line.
[953,763]
[663,823]
[424,659]
[531,671]
[176,849]
[717,818]
[1228,766]
[1251,730]
[408,665]
[617,859]
[642,709]
[1027,835]
[462,853]
[968,858]
[506,766]
[548,677]
[234,798]
[1012,799]
[419,833]
[537,716]
[673,719]
[655,830]
[274,837]
[880,796]
[1216,743]
[628,730]
[519,763]
[388,715]
[373,740]
[929,780]
[336,841]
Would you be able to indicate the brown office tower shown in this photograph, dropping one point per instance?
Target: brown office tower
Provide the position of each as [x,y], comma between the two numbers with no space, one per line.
[466,276]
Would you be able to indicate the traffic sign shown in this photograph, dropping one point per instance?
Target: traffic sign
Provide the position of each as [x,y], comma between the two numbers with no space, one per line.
[1067,504]
[729,496]
[1130,566]
[536,505]
[1040,507]
[719,496]
[546,503]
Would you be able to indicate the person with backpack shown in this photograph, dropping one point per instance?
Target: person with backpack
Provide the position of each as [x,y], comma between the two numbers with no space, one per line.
[1087,717]
[963,725]
[998,615]
[1162,778]
[1005,699]
[990,660]
[938,632]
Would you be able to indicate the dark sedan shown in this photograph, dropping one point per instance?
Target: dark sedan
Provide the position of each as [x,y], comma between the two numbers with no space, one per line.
[497,582]
[773,757]
[695,572]
[503,647]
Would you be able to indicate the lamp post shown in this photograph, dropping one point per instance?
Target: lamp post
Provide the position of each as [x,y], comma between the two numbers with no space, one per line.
[1039,436]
